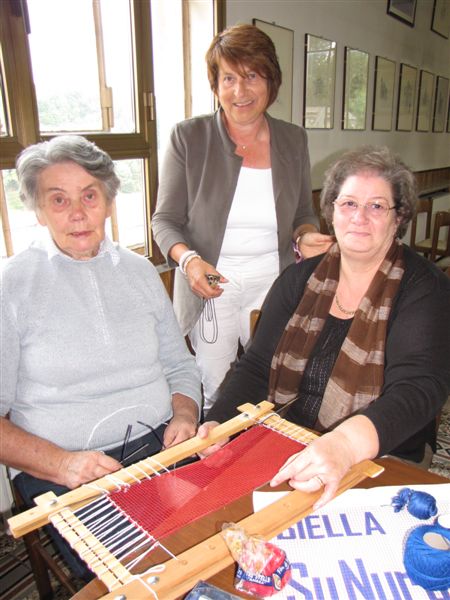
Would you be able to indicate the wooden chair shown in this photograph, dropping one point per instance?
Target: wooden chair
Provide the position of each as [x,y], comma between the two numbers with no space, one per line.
[440,247]
[42,562]
[424,206]
[254,318]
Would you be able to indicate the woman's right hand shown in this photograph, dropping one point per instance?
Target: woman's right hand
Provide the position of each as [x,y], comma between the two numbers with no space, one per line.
[77,468]
[197,271]
[203,433]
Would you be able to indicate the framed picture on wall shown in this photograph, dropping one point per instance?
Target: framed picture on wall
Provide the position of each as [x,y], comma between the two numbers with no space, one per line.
[383,97]
[440,22]
[320,74]
[283,40]
[406,98]
[423,122]
[356,73]
[405,10]
[440,104]
[448,118]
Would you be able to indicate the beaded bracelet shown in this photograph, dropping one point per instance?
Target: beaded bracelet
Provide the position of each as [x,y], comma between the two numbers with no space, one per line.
[187,261]
[183,258]
[297,252]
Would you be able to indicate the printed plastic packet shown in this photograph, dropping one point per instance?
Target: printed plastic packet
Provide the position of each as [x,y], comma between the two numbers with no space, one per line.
[263,569]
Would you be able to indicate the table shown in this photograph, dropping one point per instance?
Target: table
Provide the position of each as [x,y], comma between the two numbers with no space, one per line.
[395,473]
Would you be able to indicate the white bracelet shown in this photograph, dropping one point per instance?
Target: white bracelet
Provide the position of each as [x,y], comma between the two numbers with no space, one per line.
[188,260]
[184,256]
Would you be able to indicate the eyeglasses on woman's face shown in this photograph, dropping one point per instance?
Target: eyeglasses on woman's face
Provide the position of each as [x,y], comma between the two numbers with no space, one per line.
[376,208]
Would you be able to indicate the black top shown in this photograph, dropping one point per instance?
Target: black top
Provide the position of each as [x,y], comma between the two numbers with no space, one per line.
[417,357]
[317,372]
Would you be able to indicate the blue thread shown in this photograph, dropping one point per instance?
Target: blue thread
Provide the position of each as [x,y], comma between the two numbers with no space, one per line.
[419,504]
[426,566]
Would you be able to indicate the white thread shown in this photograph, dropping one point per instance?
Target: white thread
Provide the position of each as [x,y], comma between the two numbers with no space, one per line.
[130,474]
[116,481]
[138,559]
[97,488]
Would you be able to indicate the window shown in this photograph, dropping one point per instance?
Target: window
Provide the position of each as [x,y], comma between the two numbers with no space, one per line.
[88,66]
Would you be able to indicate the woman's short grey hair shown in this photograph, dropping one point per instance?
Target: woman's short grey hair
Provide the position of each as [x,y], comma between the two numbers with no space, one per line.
[379,161]
[60,149]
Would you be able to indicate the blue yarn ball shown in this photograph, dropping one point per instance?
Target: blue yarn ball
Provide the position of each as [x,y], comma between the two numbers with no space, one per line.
[419,504]
[427,566]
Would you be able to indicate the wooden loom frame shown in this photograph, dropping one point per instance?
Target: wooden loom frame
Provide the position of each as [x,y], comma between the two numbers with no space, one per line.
[203,560]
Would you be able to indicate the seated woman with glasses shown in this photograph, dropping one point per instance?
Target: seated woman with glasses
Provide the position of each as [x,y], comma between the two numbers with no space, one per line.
[95,373]
[353,343]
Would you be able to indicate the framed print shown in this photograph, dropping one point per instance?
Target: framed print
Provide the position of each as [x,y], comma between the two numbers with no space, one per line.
[440,22]
[406,98]
[284,45]
[320,74]
[423,121]
[356,72]
[405,10]
[440,104]
[448,118]
[383,96]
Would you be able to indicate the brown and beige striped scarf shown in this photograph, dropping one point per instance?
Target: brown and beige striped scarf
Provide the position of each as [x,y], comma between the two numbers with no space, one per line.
[358,374]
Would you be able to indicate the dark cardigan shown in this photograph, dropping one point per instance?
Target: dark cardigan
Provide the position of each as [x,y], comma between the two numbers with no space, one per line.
[417,356]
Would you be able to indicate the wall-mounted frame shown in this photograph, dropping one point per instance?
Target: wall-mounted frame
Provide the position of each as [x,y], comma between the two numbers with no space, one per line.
[440,104]
[320,75]
[440,21]
[283,40]
[356,74]
[383,96]
[406,98]
[405,10]
[448,118]
[424,105]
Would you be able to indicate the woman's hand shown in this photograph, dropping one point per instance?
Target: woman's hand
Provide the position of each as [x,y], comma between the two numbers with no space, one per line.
[77,468]
[314,243]
[203,433]
[183,424]
[322,464]
[328,458]
[197,271]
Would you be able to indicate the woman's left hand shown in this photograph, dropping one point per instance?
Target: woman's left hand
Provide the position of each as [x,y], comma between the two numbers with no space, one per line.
[322,464]
[314,243]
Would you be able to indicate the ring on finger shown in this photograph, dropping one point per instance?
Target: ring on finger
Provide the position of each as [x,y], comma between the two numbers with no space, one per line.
[322,483]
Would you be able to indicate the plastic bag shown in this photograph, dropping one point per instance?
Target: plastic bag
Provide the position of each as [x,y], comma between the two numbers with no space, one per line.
[263,569]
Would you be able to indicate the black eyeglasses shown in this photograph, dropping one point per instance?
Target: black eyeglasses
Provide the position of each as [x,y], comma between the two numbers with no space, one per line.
[125,458]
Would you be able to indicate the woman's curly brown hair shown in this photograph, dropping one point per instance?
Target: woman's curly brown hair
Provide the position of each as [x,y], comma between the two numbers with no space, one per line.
[378,161]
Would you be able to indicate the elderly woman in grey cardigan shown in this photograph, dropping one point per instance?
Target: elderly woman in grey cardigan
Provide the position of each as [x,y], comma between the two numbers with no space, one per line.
[234,197]
[95,372]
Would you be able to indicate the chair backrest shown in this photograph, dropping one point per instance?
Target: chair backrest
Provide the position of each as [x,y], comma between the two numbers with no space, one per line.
[441,219]
[424,205]
[254,318]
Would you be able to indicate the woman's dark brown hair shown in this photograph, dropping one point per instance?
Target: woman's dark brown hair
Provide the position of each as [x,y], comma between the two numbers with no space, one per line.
[245,47]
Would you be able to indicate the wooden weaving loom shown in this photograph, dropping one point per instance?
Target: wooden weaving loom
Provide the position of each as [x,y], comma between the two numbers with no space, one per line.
[72,513]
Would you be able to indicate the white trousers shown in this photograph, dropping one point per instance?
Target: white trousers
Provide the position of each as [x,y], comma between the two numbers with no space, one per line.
[224,322]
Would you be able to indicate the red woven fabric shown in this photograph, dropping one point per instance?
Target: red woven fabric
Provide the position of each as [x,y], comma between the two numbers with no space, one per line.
[164,504]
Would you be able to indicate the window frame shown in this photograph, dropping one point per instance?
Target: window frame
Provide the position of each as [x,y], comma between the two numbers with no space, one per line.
[22,103]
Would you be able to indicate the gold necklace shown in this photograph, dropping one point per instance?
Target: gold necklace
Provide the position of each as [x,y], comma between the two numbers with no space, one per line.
[248,144]
[342,309]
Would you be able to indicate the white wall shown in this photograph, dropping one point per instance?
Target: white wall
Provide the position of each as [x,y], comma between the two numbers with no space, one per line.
[361,24]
